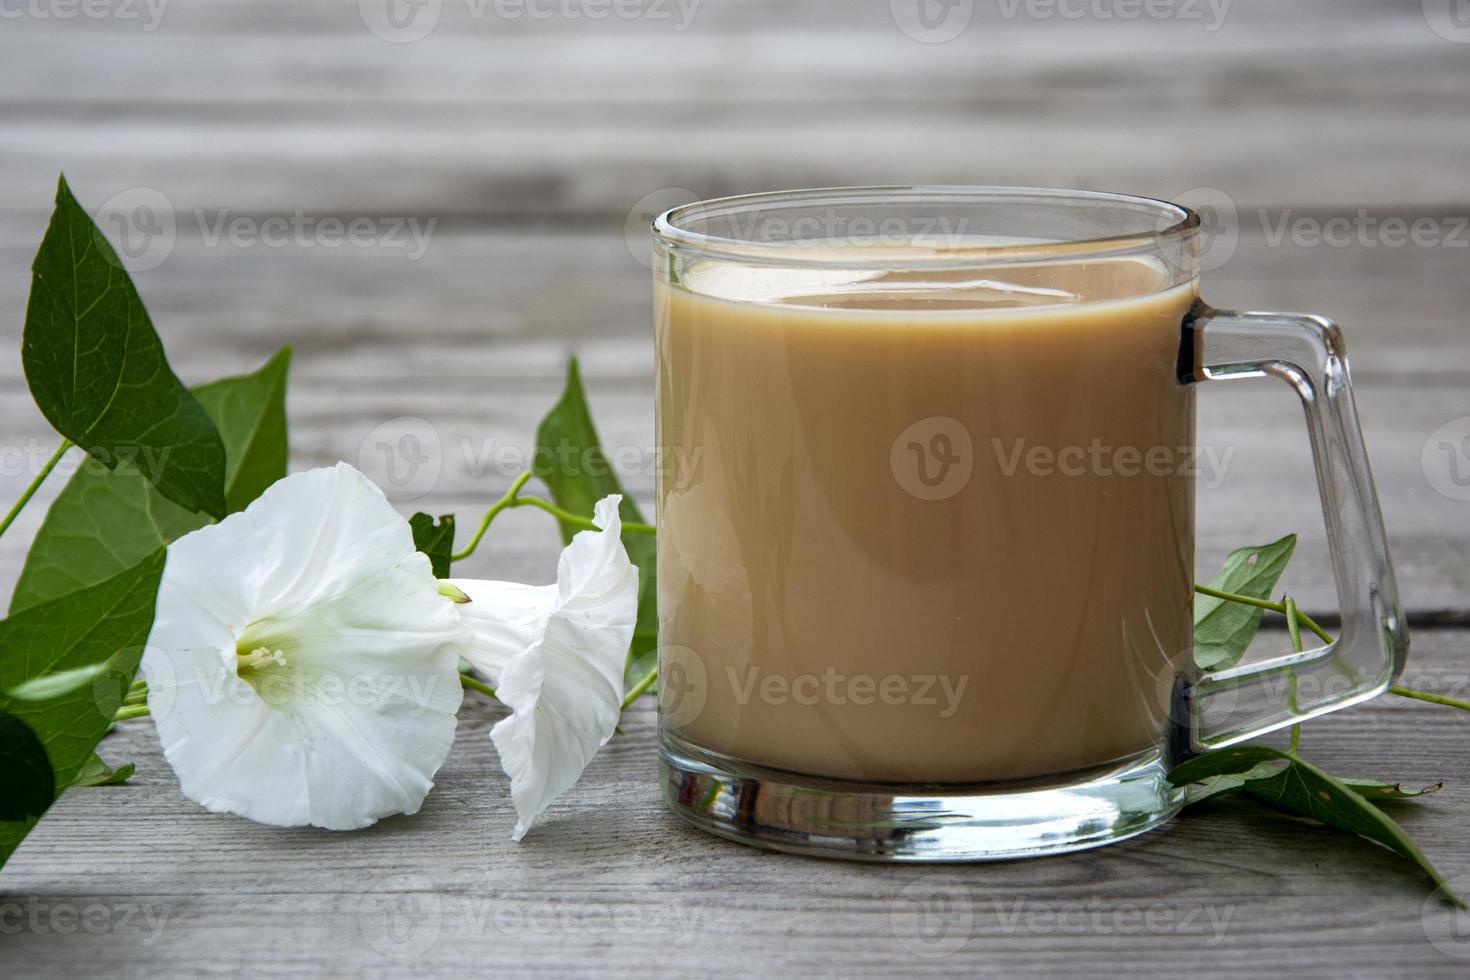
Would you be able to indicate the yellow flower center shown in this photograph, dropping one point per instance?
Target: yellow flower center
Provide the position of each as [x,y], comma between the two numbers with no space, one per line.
[258,659]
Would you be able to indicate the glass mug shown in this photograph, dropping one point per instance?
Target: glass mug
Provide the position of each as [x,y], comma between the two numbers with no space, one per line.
[926,519]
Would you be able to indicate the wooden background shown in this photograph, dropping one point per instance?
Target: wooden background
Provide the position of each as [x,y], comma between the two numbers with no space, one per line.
[529,141]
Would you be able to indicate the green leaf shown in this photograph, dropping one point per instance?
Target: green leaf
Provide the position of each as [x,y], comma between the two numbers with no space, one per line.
[1219,772]
[1212,786]
[102,522]
[97,369]
[106,623]
[1223,630]
[1223,762]
[48,686]
[434,540]
[250,413]
[27,786]
[95,772]
[105,521]
[1301,789]
[1375,790]
[1306,791]
[571,462]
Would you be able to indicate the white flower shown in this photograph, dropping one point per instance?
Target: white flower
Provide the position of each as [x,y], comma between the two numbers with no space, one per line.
[556,655]
[303,664]
[303,667]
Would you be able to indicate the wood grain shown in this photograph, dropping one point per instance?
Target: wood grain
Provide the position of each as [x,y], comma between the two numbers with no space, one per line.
[528,142]
[612,883]
[473,338]
[1316,104]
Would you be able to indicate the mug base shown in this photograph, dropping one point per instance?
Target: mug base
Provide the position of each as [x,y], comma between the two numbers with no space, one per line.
[800,814]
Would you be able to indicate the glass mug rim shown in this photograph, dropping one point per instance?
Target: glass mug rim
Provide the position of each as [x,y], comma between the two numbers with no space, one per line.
[1156,224]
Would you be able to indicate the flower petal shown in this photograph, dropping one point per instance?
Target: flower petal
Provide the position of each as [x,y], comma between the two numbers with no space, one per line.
[504,620]
[327,529]
[562,711]
[595,560]
[564,685]
[358,717]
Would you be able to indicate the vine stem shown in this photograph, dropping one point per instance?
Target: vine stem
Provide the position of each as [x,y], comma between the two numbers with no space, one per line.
[35,485]
[1293,628]
[475,684]
[1296,617]
[637,690]
[513,498]
[1277,607]
[582,522]
[1409,692]
[506,501]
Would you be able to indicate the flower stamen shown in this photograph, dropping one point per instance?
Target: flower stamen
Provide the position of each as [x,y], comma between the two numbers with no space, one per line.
[259,658]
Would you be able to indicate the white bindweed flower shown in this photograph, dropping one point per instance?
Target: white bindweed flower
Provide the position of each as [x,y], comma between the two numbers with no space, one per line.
[556,655]
[303,666]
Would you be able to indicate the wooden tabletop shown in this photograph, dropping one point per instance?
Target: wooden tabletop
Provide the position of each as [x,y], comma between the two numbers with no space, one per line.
[520,146]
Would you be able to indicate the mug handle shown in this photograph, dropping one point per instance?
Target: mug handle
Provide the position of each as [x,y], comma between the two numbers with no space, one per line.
[1239,703]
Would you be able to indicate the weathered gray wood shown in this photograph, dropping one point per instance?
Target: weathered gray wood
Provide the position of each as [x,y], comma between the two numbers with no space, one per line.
[501,299]
[473,337]
[612,883]
[1302,105]
[484,431]
[529,140]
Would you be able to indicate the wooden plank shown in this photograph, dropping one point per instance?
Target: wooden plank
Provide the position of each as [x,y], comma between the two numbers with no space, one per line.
[481,439]
[1262,53]
[529,140]
[1271,25]
[473,337]
[611,883]
[486,301]
[581,164]
[303,107]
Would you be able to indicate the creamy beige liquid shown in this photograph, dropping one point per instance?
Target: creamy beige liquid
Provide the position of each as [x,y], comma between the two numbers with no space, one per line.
[848,590]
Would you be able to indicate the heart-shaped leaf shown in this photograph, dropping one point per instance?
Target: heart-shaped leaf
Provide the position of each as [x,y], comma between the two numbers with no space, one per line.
[434,540]
[107,623]
[97,370]
[250,413]
[105,521]
[1223,629]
